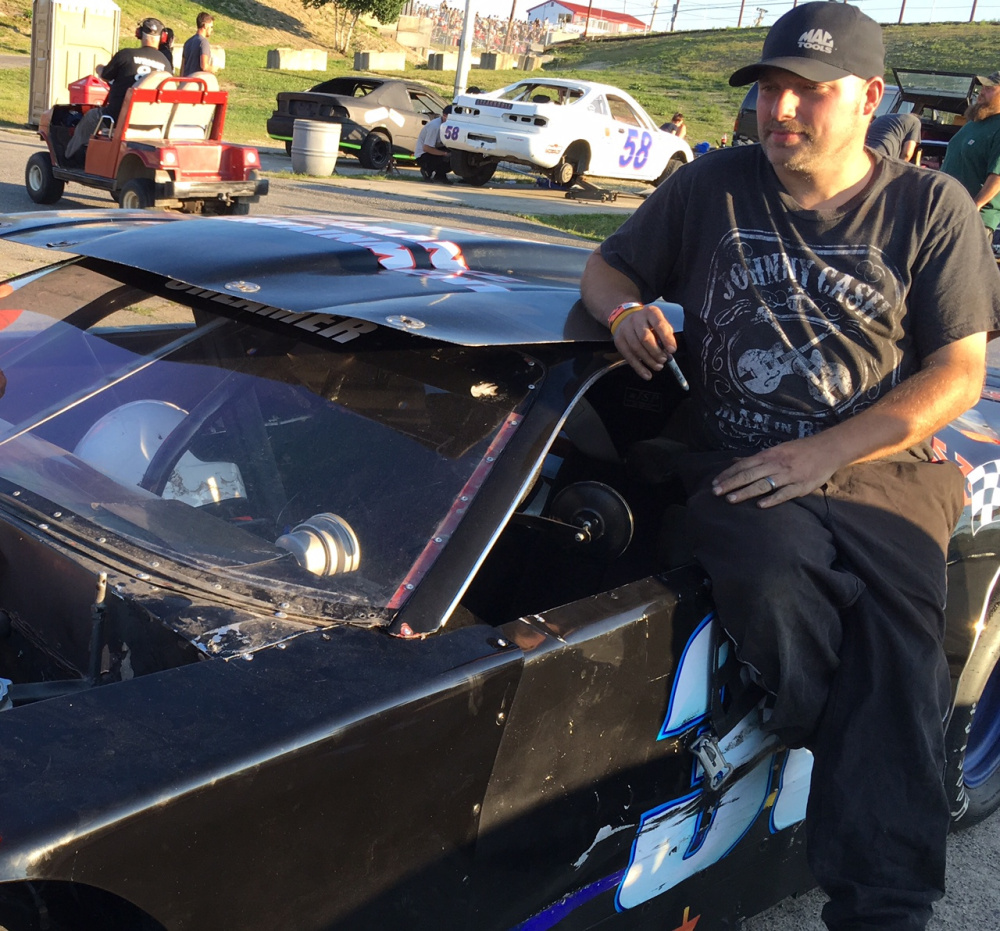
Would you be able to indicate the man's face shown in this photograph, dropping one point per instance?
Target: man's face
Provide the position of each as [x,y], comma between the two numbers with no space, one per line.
[806,126]
[987,103]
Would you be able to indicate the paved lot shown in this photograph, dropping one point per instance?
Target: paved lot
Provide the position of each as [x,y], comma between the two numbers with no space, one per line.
[973,900]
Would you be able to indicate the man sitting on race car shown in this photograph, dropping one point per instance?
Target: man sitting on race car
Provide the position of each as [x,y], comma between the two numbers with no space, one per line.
[836,309]
[126,67]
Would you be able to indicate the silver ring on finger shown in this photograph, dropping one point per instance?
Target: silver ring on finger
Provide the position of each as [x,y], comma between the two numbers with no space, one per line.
[770,481]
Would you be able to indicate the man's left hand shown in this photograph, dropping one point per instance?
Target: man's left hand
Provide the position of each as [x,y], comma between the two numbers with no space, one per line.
[789,470]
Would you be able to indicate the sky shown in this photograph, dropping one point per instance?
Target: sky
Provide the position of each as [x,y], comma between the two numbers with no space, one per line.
[718,14]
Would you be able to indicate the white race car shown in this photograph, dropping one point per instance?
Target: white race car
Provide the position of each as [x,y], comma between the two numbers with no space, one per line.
[566,129]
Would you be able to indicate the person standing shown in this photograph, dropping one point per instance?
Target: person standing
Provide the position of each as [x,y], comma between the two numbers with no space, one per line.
[127,66]
[836,311]
[167,44]
[197,52]
[973,155]
[895,135]
[432,157]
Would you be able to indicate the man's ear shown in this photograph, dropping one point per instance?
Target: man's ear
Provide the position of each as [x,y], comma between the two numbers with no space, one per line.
[874,89]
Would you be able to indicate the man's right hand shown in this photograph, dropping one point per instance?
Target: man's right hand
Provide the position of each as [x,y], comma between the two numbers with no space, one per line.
[643,337]
[646,340]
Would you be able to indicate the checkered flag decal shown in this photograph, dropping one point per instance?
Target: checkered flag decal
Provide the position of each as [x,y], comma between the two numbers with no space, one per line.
[984,487]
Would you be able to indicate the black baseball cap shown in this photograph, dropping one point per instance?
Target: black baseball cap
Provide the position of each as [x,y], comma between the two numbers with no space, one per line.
[820,41]
[151,26]
[991,80]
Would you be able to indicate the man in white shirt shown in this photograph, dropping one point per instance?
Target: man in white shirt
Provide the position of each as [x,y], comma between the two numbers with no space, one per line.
[432,157]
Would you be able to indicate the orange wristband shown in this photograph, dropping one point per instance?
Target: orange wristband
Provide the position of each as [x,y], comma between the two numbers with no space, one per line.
[621,312]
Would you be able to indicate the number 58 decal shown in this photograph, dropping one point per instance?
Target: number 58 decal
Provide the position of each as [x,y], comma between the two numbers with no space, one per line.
[632,154]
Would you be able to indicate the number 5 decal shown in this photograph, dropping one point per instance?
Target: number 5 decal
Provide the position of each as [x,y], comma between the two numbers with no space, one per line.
[628,150]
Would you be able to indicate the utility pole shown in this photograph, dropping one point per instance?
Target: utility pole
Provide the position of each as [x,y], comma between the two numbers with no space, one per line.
[972,15]
[586,25]
[465,50]
[656,4]
[510,26]
[673,15]
[739,22]
[902,9]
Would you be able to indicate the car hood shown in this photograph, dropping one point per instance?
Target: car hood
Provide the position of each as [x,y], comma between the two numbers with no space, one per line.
[453,285]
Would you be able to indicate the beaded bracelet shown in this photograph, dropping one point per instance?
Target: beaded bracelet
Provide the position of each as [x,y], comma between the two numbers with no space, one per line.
[621,312]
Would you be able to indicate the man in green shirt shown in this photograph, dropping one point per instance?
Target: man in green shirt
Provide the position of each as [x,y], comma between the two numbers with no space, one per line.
[974,151]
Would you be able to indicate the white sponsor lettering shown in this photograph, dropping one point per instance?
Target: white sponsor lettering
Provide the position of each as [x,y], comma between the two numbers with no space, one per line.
[818,40]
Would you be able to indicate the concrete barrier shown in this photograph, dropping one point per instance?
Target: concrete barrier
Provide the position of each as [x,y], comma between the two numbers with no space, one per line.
[497,61]
[529,62]
[442,61]
[379,61]
[296,59]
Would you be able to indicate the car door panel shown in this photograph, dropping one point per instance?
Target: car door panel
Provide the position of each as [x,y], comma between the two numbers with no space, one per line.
[585,745]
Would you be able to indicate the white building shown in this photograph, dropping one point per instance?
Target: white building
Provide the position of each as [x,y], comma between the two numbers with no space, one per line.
[572,17]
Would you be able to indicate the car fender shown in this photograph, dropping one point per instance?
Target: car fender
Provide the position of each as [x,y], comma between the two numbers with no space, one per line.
[201,762]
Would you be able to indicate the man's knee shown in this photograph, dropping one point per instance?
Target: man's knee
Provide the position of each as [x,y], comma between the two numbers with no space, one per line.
[83,131]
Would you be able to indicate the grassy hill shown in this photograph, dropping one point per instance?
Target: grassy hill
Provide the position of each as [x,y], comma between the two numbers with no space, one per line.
[689,71]
[685,71]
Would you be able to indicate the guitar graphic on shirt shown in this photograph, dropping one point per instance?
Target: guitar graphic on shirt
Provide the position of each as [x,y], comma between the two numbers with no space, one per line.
[763,369]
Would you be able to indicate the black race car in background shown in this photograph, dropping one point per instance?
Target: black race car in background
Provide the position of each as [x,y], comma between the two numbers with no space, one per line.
[379,118]
[343,584]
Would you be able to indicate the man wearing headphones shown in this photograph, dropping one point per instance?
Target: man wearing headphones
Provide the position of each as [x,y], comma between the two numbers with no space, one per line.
[127,66]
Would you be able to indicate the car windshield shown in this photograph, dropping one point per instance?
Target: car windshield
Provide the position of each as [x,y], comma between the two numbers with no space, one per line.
[537,92]
[931,84]
[299,449]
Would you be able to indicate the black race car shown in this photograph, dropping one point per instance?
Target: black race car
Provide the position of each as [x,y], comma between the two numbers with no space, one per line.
[343,584]
[379,118]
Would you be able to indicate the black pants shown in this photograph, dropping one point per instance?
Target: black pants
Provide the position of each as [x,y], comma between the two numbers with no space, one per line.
[436,165]
[836,601]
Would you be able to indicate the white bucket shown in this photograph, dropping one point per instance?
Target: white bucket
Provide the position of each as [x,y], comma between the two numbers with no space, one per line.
[314,147]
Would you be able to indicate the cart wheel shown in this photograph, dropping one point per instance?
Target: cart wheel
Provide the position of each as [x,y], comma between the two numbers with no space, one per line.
[43,187]
[239,209]
[137,194]
[288,147]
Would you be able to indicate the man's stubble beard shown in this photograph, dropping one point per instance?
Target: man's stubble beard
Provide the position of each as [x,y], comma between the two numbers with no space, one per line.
[812,160]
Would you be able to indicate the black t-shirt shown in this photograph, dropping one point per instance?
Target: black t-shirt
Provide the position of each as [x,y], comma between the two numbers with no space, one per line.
[126,67]
[889,134]
[796,319]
